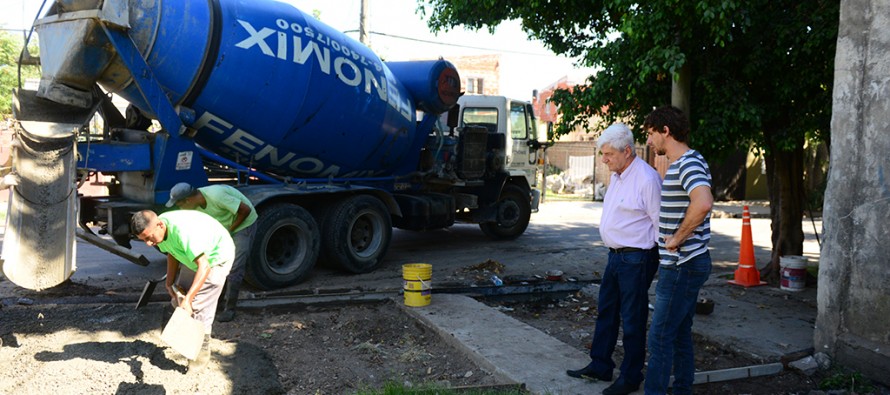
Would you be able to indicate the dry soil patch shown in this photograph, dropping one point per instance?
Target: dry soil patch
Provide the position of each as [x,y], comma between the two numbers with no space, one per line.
[107,349]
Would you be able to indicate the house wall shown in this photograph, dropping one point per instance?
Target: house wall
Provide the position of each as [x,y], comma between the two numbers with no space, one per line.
[486,68]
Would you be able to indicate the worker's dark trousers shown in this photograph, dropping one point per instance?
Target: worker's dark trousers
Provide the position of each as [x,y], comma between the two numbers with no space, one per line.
[243,239]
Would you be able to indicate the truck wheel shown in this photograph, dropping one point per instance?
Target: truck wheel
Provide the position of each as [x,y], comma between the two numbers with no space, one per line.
[513,213]
[356,233]
[285,247]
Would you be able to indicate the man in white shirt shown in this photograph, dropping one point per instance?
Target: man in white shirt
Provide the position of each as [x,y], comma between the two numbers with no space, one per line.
[629,227]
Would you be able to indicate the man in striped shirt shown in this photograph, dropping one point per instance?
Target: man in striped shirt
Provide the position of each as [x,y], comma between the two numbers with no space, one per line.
[685,264]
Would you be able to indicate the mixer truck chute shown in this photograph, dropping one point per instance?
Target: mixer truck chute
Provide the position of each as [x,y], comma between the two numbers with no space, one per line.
[333,146]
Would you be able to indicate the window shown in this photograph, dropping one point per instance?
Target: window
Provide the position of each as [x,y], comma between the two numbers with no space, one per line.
[474,85]
[518,121]
[477,116]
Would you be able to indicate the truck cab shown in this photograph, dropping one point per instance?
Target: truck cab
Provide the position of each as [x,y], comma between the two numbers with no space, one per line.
[515,119]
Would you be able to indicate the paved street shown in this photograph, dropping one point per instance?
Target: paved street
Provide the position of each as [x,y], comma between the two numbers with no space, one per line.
[765,323]
[562,236]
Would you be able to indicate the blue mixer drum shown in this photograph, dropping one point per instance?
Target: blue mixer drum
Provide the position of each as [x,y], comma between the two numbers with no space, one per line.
[270,86]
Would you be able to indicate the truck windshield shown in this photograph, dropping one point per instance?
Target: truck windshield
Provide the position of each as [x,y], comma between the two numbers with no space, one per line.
[478,116]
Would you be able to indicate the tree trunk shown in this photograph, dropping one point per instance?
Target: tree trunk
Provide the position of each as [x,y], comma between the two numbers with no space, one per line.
[681,89]
[785,180]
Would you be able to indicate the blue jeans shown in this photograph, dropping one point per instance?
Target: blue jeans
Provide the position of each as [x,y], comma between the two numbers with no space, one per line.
[670,334]
[624,298]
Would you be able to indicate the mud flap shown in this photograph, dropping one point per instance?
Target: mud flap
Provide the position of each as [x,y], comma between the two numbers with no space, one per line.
[39,243]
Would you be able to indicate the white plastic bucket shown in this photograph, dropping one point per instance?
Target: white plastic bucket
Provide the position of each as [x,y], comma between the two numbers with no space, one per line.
[794,272]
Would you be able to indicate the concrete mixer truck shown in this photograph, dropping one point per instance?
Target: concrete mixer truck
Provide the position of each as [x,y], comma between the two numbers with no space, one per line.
[333,146]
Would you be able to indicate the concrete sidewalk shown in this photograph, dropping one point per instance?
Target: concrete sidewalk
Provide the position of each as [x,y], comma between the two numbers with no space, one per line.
[764,323]
[507,347]
[760,322]
[757,209]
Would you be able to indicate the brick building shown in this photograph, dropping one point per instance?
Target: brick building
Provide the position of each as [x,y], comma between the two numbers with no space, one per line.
[578,143]
[480,74]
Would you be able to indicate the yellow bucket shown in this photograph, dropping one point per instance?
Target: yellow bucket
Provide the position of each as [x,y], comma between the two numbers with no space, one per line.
[418,287]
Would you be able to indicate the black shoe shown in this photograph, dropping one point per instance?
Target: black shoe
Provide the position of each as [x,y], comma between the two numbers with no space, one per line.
[588,373]
[225,316]
[620,388]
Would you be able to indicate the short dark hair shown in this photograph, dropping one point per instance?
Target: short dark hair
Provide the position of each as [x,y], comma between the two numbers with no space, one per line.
[673,118]
[140,221]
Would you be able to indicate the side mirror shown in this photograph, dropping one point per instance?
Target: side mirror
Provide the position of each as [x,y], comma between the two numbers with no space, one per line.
[453,116]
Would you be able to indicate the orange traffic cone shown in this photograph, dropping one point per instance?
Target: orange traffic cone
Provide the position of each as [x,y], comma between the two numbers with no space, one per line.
[747,275]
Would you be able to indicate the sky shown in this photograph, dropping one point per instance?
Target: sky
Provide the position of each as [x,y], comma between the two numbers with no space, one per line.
[525,65]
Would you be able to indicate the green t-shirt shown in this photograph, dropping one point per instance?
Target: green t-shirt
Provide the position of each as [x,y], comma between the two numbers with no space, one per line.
[222,204]
[190,234]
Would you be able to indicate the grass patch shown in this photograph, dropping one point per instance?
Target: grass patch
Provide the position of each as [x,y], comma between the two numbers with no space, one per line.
[850,381]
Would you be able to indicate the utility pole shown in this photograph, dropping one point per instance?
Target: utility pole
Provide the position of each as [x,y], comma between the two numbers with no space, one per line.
[363,24]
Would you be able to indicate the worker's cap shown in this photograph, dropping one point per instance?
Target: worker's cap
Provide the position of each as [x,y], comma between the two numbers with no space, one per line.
[178,192]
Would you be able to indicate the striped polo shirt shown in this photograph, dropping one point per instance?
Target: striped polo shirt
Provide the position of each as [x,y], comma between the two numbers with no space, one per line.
[684,175]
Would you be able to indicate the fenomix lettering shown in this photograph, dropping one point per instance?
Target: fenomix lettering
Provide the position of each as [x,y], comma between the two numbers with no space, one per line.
[239,143]
[320,47]
[289,39]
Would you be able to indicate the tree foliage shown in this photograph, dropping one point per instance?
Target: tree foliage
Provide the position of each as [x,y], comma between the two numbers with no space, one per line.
[10,48]
[761,73]
[753,63]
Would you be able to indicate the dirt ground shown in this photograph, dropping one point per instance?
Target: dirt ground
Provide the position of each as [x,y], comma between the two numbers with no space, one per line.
[114,349]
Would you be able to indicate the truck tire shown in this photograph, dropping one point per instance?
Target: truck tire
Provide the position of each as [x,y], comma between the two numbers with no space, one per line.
[285,247]
[356,233]
[513,212]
